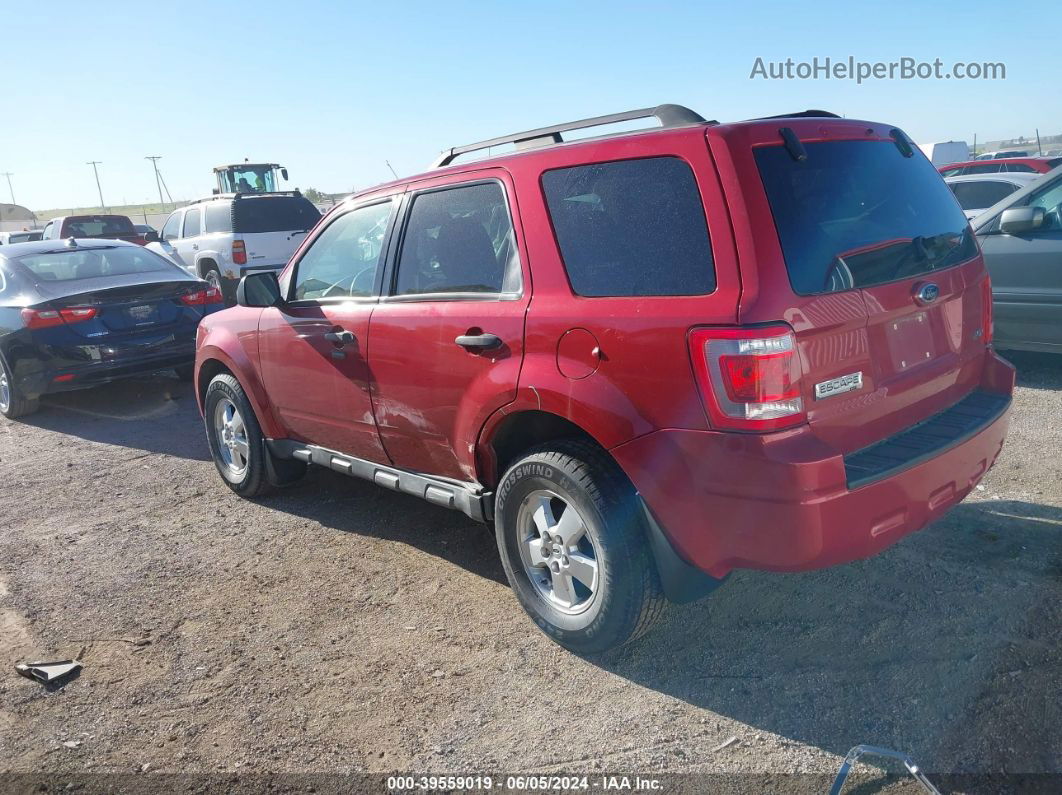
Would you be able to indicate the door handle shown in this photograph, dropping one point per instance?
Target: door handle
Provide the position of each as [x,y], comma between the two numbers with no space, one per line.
[341,337]
[479,341]
[195,247]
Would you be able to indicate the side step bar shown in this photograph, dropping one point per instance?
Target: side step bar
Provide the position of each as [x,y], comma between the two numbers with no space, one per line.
[464,497]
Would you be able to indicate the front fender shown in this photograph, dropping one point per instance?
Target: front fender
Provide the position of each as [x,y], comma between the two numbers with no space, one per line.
[234,344]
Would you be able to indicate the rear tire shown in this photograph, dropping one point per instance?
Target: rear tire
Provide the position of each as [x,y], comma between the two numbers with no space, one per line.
[588,578]
[235,437]
[12,402]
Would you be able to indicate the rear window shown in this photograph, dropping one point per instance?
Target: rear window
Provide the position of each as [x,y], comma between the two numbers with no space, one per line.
[631,227]
[98,226]
[64,266]
[273,214]
[859,213]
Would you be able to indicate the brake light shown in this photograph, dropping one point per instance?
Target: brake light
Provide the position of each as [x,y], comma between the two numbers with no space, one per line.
[749,378]
[46,318]
[211,295]
[239,252]
[987,332]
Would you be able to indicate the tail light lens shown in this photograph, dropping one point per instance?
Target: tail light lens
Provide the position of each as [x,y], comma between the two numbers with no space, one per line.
[211,295]
[46,318]
[239,252]
[986,310]
[749,378]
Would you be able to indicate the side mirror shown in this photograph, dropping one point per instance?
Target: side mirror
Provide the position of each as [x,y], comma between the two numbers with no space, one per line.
[284,174]
[259,290]
[151,237]
[1016,220]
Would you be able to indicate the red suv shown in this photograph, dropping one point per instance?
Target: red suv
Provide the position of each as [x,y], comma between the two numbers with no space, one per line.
[648,358]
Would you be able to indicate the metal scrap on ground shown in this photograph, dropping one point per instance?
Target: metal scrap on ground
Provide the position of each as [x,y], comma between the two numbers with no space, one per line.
[47,672]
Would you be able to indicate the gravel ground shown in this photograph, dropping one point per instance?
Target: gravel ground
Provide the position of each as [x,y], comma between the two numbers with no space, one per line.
[340,627]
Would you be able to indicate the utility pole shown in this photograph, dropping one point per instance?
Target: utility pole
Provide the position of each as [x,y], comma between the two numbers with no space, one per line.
[8,175]
[158,182]
[95,171]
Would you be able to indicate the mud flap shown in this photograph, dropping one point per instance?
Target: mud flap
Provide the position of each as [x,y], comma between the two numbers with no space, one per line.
[681,581]
[281,472]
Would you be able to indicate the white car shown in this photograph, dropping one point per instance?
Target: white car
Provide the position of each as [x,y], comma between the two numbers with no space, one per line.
[977,192]
[224,237]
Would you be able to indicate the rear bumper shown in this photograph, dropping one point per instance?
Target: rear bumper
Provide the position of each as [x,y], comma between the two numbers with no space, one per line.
[41,380]
[783,502]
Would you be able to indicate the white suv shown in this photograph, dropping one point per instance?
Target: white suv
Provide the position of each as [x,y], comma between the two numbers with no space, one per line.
[226,236]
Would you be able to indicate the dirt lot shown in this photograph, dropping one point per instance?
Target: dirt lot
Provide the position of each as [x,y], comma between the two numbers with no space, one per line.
[340,627]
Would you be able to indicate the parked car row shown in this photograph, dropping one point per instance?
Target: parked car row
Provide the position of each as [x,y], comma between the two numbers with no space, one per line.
[647,358]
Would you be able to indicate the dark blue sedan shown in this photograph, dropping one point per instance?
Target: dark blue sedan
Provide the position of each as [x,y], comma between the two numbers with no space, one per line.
[77,313]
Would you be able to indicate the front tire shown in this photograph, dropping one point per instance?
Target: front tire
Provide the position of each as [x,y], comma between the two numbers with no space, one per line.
[574,547]
[12,402]
[235,438]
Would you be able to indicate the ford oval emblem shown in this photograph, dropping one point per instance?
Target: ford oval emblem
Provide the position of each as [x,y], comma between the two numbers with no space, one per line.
[927,293]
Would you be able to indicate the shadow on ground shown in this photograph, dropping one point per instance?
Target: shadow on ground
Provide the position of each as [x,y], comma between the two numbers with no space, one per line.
[1037,370]
[156,413]
[945,646]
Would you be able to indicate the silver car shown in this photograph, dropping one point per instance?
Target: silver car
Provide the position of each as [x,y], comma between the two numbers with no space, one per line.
[1021,238]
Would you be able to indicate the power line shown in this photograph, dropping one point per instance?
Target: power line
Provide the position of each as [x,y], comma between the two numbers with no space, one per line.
[95,171]
[8,175]
[158,180]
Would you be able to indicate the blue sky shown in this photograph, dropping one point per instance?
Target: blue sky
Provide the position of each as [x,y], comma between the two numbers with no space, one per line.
[331,90]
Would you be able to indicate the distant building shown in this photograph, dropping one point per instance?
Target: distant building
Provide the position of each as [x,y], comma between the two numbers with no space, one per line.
[15,217]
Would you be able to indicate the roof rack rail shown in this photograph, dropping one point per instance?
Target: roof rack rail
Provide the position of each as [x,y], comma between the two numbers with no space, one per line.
[825,114]
[667,115]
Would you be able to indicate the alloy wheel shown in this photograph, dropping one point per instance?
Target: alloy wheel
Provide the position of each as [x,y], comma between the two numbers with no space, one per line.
[558,552]
[230,433]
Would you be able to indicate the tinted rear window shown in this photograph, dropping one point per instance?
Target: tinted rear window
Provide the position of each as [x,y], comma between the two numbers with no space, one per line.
[98,226]
[631,227]
[859,213]
[273,214]
[89,263]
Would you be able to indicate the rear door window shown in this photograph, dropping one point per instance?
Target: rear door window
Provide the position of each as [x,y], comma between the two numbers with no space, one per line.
[257,214]
[631,228]
[192,224]
[984,168]
[859,213]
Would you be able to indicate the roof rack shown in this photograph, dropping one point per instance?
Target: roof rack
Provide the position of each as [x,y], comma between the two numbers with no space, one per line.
[667,115]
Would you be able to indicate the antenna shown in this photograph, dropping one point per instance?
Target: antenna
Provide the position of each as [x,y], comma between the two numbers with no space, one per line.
[388,162]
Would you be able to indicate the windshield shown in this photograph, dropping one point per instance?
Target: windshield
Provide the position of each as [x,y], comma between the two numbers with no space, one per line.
[859,213]
[62,266]
[251,178]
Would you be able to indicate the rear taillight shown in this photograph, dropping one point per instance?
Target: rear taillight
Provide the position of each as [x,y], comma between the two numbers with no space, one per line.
[749,378]
[46,318]
[211,295]
[239,252]
[986,310]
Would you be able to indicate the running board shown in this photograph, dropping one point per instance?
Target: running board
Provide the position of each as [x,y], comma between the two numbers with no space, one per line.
[464,497]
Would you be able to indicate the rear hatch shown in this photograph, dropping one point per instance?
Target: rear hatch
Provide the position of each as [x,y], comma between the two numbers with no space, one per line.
[888,283]
[272,226]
